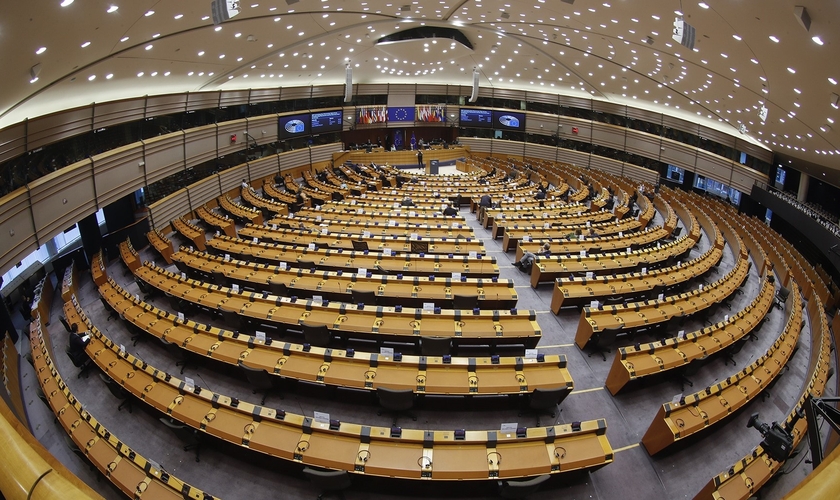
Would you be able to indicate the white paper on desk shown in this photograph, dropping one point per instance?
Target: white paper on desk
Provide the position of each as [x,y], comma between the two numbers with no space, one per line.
[235,288]
[322,417]
[590,275]
[700,287]
[526,239]
[629,250]
[122,348]
[255,240]
[325,230]
[677,399]
[658,245]
[661,296]
[386,252]
[366,234]
[260,335]
[318,299]
[360,211]
[283,266]
[644,270]
[318,218]
[531,353]
[546,225]
[456,276]
[509,426]
[726,317]
[473,255]
[274,226]
[311,246]
[583,253]
[396,205]
[681,334]
[412,214]
[137,297]
[594,304]
[392,223]
[154,465]
[414,236]
[581,237]
[352,202]
[620,234]
[588,224]
[428,306]
[227,257]
[189,382]
[181,316]
[388,352]
[519,207]
[363,271]
[217,234]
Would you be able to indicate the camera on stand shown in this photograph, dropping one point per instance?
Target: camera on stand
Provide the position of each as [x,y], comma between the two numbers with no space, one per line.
[778,443]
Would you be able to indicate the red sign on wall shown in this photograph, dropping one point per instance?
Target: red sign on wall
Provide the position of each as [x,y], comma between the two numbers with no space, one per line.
[574,130]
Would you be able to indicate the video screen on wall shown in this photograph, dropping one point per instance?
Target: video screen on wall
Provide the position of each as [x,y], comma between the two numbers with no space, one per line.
[780,178]
[328,121]
[292,126]
[477,118]
[508,120]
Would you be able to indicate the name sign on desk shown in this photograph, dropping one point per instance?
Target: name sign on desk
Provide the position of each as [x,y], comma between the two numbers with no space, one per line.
[629,250]
[181,316]
[392,223]
[725,317]
[283,266]
[700,288]
[644,271]
[519,207]
[396,205]
[322,417]
[546,225]
[677,399]
[428,306]
[590,275]
[509,427]
[189,384]
[583,253]
[255,240]
[588,224]
[530,353]
[526,239]
[473,254]
[661,296]
[658,245]
[594,304]
[318,218]
[366,234]
[581,237]
[325,230]
[681,334]
[274,226]
[360,211]
[260,336]
[352,202]
[311,246]
[386,252]
[217,234]
[620,234]
[414,236]
[317,299]
[122,349]
[456,276]
[235,288]
[183,276]
[388,352]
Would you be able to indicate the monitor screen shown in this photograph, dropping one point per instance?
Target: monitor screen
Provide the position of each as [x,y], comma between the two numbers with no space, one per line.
[780,178]
[508,120]
[480,118]
[293,126]
[328,121]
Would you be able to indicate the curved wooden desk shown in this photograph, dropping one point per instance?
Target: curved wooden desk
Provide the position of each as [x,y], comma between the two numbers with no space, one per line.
[190,231]
[161,244]
[214,220]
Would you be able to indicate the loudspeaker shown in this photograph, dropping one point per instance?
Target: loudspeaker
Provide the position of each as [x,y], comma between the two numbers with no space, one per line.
[474,94]
[803,17]
[348,84]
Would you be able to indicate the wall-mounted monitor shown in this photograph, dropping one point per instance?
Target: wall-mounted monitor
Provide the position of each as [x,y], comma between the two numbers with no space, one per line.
[780,179]
[508,120]
[476,118]
[328,121]
[292,126]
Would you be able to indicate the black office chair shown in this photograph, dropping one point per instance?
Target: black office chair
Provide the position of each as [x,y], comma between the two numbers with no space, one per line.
[118,391]
[235,321]
[690,370]
[360,246]
[179,305]
[419,246]
[182,355]
[183,268]
[544,402]
[396,401]
[673,236]
[137,334]
[781,297]
[330,481]
[316,335]
[145,289]
[73,447]
[732,350]
[601,341]
[521,489]
[80,360]
[435,346]
[306,265]
[279,289]
[65,324]
[110,310]
[189,436]
[219,278]
[364,297]
[260,380]
[465,302]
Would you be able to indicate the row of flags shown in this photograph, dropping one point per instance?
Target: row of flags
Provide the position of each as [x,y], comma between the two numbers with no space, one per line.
[380,114]
[372,114]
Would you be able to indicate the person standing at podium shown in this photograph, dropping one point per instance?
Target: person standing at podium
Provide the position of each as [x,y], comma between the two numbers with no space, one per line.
[420,159]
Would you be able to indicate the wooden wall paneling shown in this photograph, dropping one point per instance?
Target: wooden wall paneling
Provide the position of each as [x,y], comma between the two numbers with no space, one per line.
[643,114]
[168,104]
[482,92]
[754,150]
[324,152]
[264,167]
[294,159]
[164,155]
[237,97]
[224,132]
[52,128]
[328,90]
[584,133]
[514,94]
[608,165]
[371,89]
[12,141]
[174,205]
[476,145]
[203,100]
[679,124]
[609,107]
[432,89]
[711,165]
[203,191]
[643,144]
[743,178]
[231,178]
[608,135]
[118,172]
[678,154]
[574,102]
[264,95]
[540,151]
[17,229]
[541,97]
[401,89]
[576,158]
[510,148]
[61,198]
[289,93]
[541,123]
[716,135]
[113,113]
[200,145]
[263,129]
[638,173]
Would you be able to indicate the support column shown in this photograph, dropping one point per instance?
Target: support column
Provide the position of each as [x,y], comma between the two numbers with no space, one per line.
[802,194]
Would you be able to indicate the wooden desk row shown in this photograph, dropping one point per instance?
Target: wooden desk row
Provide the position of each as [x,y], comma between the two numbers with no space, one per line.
[356,448]
[240,212]
[478,266]
[548,269]
[133,474]
[750,473]
[129,256]
[391,227]
[513,237]
[162,244]
[338,285]
[378,217]
[253,199]
[42,297]
[70,281]
[522,202]
[696,412]
[520,210]
[650,312]
[615,242]
[579,291]
[552,227]
[442,245]
[277,195]
[353,205]
[214,220]
[341,368]
[394,324]
[191,232]
[634,362]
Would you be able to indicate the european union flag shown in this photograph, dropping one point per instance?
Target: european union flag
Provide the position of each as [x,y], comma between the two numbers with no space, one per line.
[401,114]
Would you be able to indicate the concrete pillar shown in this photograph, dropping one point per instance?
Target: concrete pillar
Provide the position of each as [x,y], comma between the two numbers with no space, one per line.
[802,194]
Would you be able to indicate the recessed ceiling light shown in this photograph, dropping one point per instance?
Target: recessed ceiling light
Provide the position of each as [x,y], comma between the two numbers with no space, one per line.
[773,38]
[832,81]
[791,70]
[217,28]
[112,9]
[830,120]
[205,18]
[65,3]
[703,5]
[33,80]
[237,35]
[85,44]
[41,50]
[221,56]
[156,35]
[736,37]
[140,74]
[149,47]
[201,53]
[167,73]
[124,39]
[797,91]
[109,76]
[817,40]
[149,13]
[178,16]
[91,78]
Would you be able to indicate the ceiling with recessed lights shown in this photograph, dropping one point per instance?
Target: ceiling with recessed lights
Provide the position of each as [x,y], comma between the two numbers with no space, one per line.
[748,54]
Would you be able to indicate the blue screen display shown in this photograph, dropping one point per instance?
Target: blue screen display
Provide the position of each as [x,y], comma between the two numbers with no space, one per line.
[293,126]
[328,121]
[508,120]
[479,118]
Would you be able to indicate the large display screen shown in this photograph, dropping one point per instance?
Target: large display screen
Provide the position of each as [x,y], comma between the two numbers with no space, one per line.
[477,118]
[508,120]
[293,126]
[328,121]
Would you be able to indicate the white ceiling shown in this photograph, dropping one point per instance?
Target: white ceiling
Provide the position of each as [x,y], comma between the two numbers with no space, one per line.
[590,48]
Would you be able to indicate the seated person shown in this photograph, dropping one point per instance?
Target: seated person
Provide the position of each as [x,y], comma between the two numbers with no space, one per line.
[528,257]
[486,201]
[574,234]
[540,195]
[77,343]
[592,233]
[245,184]
[450,211]
[407,202]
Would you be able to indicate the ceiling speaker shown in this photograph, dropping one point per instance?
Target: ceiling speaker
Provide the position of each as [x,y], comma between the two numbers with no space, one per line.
[803,17]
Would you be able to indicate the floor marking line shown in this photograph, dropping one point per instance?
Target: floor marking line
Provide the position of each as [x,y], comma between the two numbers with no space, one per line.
[628,447]
[554,346]
[593,389]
